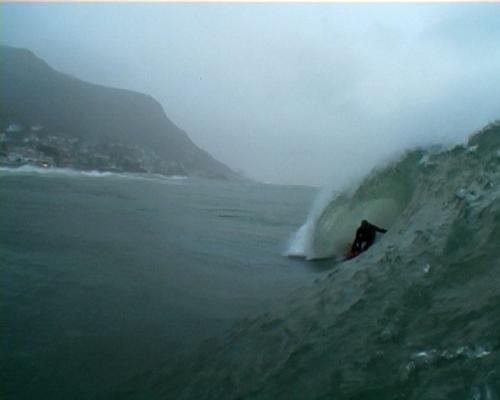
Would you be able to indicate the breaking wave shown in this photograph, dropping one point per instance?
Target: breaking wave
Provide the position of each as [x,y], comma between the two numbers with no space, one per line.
[416,316]
[52,171]
[70,172]
[391,194]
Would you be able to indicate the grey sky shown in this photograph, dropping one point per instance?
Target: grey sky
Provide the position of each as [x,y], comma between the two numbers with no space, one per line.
[288,93]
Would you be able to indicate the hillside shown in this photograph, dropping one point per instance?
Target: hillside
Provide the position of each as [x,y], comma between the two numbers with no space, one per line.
[51,116]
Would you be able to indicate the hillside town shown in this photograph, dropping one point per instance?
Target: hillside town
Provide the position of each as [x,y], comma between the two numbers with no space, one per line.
[35,145]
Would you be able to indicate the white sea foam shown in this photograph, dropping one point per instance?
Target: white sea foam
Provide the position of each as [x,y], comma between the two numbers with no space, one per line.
[70,172]
[35,170]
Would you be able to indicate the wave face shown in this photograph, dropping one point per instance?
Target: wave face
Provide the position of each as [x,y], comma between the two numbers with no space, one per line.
[415,317]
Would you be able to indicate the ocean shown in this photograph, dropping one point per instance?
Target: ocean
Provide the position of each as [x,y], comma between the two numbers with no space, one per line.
[119,286]
[108,276]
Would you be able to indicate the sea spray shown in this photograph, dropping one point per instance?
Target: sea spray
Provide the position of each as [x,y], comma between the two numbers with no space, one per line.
[301,244]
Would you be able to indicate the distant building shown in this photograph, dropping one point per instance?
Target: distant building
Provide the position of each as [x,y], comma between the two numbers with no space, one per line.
[15,158]
[46,162]
[13,128]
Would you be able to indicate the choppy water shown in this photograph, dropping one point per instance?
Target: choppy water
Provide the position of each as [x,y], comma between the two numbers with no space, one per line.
[108,274]
[105,277]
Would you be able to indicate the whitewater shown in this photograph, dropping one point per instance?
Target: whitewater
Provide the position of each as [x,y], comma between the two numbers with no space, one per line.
[417,316]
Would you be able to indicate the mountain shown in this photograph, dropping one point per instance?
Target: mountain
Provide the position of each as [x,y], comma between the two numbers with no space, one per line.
[79,124]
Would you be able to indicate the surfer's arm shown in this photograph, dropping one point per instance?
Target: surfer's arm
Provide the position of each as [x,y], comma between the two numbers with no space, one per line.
[381,230]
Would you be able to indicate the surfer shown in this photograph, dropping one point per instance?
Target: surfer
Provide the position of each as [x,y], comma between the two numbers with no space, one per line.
[365,236]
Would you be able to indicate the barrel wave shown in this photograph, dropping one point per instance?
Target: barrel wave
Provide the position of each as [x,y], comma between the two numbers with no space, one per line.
[417,316]
[380,198]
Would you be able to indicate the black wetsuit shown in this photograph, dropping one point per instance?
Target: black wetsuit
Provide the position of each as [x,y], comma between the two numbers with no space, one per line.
[365,236]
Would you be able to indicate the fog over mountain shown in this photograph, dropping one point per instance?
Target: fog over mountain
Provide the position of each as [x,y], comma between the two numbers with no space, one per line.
[287,93]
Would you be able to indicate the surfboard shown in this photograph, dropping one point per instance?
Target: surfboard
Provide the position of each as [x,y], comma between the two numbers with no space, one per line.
[350,253]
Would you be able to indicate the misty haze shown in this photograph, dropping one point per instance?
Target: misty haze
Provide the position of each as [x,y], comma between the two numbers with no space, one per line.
[249,201]
[299,93]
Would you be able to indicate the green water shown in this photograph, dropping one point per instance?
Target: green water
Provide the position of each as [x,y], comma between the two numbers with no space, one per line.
[107,277]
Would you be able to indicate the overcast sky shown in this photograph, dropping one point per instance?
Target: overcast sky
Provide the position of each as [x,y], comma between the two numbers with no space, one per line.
[287,93]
